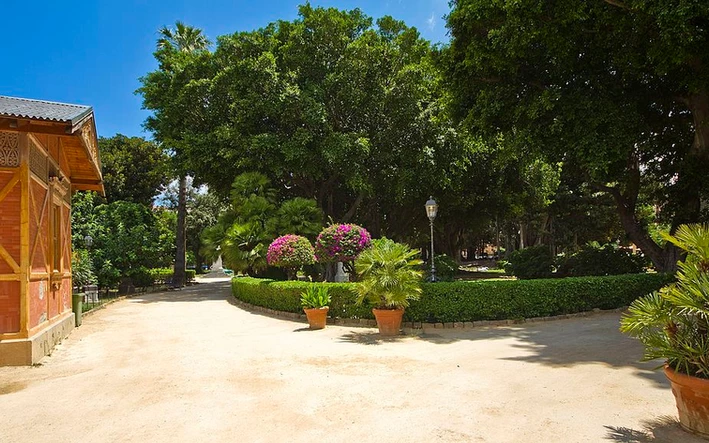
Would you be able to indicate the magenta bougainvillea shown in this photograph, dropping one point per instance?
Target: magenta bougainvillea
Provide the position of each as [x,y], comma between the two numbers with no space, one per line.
[290,251]
[341,243]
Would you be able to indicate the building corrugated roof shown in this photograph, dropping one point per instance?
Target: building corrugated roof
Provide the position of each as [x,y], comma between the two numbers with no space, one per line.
[42,110]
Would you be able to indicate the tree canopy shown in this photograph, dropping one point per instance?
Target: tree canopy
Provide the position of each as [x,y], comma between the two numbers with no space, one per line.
[134,169]
[617,90]
[331,106]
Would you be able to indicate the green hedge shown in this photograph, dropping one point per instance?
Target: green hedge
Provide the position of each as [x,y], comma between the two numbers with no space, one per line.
[285,296]
[470,301]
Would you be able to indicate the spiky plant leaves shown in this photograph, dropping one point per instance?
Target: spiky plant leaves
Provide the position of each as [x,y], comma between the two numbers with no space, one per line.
[673,323]
[390,275]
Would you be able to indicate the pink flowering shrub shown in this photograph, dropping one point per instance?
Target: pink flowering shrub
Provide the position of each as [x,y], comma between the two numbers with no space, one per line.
[341,243]
[290,251]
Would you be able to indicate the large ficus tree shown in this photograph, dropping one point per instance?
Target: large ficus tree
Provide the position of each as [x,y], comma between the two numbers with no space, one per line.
[330,106]
[616,89]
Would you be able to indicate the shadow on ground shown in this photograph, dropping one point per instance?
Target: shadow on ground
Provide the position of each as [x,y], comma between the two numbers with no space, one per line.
[663,429]
[200,292]
[369,338]
[559,343]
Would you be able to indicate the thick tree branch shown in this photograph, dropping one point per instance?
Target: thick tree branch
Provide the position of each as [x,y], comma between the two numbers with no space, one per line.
[351,212]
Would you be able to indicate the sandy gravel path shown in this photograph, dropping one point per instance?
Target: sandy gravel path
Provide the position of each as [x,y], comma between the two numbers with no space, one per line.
[189,366]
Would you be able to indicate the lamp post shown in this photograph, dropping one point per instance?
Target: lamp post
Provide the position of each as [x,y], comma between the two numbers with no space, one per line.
[432,211]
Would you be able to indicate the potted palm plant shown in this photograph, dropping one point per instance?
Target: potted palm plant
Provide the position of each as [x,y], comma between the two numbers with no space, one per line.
[673,324]
[315,301]
[390,276]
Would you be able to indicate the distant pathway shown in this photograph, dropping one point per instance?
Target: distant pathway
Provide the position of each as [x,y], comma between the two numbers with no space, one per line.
[188,366]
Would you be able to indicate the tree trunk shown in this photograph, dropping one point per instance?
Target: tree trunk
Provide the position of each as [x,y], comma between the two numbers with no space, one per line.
[522,235]
[664,259]
[199,261]
[181,236]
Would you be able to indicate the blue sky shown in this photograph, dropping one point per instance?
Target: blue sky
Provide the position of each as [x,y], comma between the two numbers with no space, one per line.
[93,51]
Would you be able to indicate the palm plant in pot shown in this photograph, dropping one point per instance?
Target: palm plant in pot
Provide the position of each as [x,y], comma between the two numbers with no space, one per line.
[315,302]
[390,276]
[673,324]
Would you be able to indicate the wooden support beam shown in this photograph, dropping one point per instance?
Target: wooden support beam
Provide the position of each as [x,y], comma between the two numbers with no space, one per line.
[25,235]
[7,124]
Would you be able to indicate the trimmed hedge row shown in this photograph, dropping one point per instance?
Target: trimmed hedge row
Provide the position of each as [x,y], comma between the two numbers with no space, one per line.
[285,296]
[469,301]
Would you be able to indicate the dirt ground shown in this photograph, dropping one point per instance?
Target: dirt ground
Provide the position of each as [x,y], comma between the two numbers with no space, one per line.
[189,366]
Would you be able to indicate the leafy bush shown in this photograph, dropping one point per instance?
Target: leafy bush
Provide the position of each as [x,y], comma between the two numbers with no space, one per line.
[140,277]
[108,276]
[608,259]
[315,297]
[161,276]
[502,300]
[532,262]
[190,274]
[390,275]
[285,296]
[82,273]
[341,243]
[290,252]
[446,268]
[469,301]
[673,323]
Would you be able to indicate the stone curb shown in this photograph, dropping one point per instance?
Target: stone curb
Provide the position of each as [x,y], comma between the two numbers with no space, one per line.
[416,326]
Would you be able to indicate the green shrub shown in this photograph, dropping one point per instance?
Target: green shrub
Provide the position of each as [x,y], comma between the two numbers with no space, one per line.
[82,273]
[190,274]
[532,262]
[469,301]
[446,268]
[285,296]
[108,275]
[315,297]
[160,276]
[502,300]
[608,259]
[140,277]
[390,274]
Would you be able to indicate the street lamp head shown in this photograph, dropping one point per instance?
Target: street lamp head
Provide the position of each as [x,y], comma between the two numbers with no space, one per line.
[88,241]
[431,208]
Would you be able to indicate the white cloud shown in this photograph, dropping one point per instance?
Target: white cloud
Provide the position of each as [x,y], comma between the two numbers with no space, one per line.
[431,22]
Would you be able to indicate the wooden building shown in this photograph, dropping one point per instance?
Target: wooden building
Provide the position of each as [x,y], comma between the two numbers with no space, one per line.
[47,151]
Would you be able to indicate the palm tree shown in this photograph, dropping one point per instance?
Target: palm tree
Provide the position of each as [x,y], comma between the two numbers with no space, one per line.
[187,40]
[183,38]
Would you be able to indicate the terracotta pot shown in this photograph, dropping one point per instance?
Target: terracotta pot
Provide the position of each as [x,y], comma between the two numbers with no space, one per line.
[692,397]
[388,320]
[317,317]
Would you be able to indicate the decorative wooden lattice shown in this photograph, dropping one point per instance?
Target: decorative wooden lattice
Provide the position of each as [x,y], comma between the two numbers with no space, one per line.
[9,149]
[38,161]
[87,135]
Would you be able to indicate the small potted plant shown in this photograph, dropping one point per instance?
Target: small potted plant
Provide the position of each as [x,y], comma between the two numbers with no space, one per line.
[673,324]
[390,276]
[315,301]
